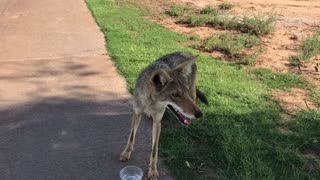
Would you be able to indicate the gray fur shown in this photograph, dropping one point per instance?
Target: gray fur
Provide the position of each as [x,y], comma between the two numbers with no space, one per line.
[170,80]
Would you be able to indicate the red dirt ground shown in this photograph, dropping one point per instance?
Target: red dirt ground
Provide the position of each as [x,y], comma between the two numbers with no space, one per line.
[296,20]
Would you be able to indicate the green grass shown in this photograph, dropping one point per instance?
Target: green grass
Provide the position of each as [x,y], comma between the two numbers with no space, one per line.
[279,80]
[257,25]
[199,20]
[310,47]
[233,46]
[226,6]
[128,46]
[209,10]
[230,44]
[305,127]
[179,10]
[237,137]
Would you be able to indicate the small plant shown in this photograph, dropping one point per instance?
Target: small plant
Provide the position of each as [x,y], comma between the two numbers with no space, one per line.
[178,10]
[296,60]
[195,41]
[247,60]
[229,44]
[248,40]
[209,10]
[199,20]
[225,43]
[258,25]
[226,6]
[221,43]
[310,47]
[233,46]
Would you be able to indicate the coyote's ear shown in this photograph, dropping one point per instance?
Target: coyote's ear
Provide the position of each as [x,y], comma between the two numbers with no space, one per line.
[186,68]
[160,78]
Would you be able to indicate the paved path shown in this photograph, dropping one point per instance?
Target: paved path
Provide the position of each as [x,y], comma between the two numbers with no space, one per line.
[64,110]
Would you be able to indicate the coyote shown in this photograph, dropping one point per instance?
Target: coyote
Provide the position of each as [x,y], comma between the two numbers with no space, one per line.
[168,82]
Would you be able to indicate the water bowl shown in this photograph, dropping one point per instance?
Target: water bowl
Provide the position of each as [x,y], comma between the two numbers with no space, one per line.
[131,173]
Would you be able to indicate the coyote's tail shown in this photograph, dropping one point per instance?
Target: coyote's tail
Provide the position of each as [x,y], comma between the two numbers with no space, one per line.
[201,96]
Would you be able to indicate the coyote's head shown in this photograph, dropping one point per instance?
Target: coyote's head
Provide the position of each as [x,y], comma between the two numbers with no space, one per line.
[174,88]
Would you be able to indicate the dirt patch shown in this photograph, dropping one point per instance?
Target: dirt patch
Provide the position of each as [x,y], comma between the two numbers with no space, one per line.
[294,100]
[296,20]
[198,3]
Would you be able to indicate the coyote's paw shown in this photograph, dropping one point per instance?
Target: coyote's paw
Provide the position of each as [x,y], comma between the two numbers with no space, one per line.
[153,175]
[125,155]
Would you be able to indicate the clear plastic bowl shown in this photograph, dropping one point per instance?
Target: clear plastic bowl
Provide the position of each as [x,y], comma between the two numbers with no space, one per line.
[131,173]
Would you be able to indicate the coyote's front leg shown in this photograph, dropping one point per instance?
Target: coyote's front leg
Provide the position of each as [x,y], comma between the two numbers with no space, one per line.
[156,129]
[125,155]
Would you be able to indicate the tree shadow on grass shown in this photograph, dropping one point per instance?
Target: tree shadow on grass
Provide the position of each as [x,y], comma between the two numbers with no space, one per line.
[241,146]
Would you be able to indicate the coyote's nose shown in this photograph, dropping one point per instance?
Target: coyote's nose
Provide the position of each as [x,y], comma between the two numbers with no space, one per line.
[198,114]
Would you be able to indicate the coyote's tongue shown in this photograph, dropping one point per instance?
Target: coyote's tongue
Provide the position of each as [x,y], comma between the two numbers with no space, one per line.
[181,118]
[184,119]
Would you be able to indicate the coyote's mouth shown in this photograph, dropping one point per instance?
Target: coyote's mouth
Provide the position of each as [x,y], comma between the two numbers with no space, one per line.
[181,118]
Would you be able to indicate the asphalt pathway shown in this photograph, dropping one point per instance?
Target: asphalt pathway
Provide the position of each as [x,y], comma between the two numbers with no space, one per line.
[64,110]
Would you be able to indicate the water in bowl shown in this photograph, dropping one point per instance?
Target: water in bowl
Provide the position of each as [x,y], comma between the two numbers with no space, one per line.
[130,177]
[131,173]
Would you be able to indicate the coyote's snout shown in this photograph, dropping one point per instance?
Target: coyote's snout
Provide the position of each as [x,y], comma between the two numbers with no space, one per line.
[168,82]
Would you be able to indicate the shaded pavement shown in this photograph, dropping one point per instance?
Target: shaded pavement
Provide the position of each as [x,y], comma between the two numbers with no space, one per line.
[64,111]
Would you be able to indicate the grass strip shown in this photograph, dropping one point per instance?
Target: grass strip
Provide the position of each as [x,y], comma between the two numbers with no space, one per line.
[282,81]
[258,24]
[237,138]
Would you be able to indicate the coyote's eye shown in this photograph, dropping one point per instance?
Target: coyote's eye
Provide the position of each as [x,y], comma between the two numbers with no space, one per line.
[175,95]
